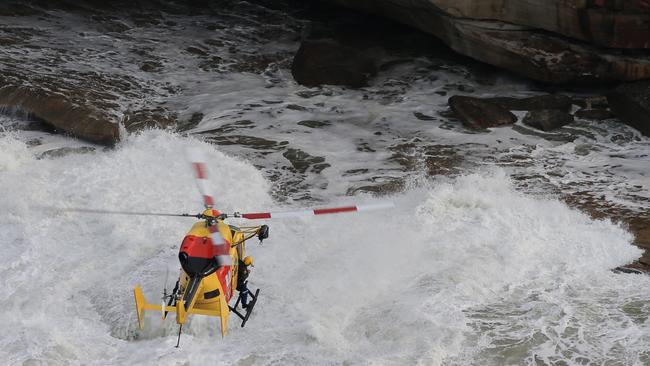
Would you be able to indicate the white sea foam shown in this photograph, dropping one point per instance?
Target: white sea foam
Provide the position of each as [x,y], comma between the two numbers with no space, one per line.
[461,271]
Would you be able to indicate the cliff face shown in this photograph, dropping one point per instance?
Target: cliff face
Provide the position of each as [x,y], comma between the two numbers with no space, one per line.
[553,41]
[615,24]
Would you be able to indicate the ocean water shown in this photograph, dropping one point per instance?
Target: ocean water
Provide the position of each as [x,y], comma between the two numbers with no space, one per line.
[452,275]
[480,262]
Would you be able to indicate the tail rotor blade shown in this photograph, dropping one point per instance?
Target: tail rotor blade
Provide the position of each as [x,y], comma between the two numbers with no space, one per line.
[200,168]
[316,212]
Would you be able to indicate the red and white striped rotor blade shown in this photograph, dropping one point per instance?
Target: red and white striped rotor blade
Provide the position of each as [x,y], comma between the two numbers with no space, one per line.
[200,169]
[222,249]
[318,211]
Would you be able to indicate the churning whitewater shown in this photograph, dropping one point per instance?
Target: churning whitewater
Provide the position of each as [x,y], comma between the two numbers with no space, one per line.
[462,271]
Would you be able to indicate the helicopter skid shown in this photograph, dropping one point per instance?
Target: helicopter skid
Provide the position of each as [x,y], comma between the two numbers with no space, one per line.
[249,308]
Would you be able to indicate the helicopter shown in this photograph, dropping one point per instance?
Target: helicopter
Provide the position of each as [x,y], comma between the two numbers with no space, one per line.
[211,254]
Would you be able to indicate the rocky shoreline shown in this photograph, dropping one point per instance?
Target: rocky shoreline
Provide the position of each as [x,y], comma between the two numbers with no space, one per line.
[95,71]
[91,104]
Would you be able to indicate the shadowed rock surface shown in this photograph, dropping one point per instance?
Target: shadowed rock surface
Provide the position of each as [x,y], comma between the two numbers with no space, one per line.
[594,114]
[631,103]
[505,34]
[547,119]
[561,102]
[329,62]
[478,113]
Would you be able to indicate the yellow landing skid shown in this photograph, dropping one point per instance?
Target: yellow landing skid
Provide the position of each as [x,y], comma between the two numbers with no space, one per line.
[142,305]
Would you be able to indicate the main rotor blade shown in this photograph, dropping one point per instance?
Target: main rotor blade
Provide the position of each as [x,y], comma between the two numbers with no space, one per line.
[200,168]
[89,210]
[318,211]
[221,247]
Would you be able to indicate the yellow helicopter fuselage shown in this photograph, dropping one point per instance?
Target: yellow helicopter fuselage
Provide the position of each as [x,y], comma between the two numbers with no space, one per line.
[203,295]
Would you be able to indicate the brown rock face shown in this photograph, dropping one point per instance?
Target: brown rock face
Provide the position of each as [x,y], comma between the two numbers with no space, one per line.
[328,62]
[505,34]
[64,112]
[547,119]
[631,104]
[614,24]
[149,118]
[478,114]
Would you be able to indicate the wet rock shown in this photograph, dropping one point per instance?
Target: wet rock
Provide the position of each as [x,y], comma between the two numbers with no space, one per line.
[363,146]
[301,161]
[551,101]
[258,63]
[423,117]
[634,268]
[559,135]
[195,118]
[631,104]
[382,186]
[62,109]
[314,124]
[594,114]
[192,122]
[442,160]
[432,159]
[212,64]
[591,102]
[296,107]
[252,142]
[547,119]
[326,61]
[312,93]
[637,222]
[232,127]
[149,118]
[196,51]
[615,24]
[57,153]
[151,66]
[477,113]
[507,35]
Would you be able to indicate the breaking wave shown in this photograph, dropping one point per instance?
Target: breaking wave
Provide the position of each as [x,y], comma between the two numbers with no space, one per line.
[463,271]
